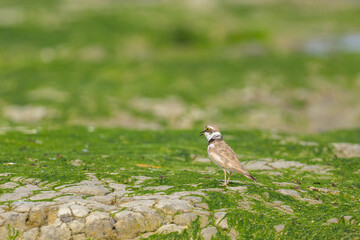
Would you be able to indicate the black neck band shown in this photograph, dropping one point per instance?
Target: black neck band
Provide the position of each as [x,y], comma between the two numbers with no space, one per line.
[214,139]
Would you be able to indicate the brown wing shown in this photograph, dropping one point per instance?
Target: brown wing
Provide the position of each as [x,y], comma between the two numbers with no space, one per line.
[223,153]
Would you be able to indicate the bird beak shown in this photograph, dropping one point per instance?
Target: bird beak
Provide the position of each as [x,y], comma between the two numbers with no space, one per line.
[202,133]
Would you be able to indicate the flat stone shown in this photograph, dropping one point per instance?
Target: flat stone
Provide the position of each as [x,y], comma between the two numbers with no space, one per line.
[325,190]
[108,199]
[202,160]
[141,179]
[319,169]
[173,206]
[153,219]
[272,173]
[118,194]
[92,176]
[289,192]
[214,190]
[193,199]
[170,228]
[187,193]
[22,206]
[68,199]
[233,234]
[347,218]
[284,184]
[287,209]
[208,233]
[158,188]
[79,210]
[312,201]
[55,231]
[284,208]
[146,203]
[333,220]
[80,236]
[77,162]
[9,185]
[77,226]
[184,219]
[238,189]
[40,214]
[221,221]
[347,150]
[4,174]
[45,195]
[14,196]
[245,205]
[219,215]
[14,219]
[279,228]
[145,235]
[108,180]
[64,213]
[101,207]
[86,190]
[27,189]
[257,165]
[282,164]
[223,225]
[204,221]
[129,224]
[31,234]
[118,187]
[4,207]
[84,183]
[201,212]
[98,225]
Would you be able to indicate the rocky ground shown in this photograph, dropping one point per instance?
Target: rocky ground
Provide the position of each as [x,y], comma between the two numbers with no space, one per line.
[117,184]
[103,209]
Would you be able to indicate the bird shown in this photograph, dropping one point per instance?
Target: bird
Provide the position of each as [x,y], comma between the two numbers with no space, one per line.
[222,154]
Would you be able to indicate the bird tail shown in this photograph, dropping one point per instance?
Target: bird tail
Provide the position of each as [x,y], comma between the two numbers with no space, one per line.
[250,177]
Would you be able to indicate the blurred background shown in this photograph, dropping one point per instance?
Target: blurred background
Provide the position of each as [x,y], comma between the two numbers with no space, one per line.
[291,66]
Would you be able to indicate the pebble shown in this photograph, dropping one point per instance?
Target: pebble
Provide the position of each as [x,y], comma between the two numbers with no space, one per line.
[170,228]
[347,218]
[289,192]
[333,220]
[279,228]
[208,233]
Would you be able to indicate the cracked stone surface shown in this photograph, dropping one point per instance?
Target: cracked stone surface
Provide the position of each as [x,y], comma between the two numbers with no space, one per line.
[94,209]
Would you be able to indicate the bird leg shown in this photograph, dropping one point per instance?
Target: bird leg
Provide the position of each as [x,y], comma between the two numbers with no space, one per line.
[228,178]
[225,183]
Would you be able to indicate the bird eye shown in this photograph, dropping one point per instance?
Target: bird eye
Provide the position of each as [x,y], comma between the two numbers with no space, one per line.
[207,129]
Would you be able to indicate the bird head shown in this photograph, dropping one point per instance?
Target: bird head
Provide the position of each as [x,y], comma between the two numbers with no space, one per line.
[211,131]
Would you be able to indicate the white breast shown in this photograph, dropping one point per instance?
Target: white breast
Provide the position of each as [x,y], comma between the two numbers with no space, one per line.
[211,146]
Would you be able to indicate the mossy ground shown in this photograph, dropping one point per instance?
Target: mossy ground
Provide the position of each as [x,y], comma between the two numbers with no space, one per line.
[88,63]
[115,153]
